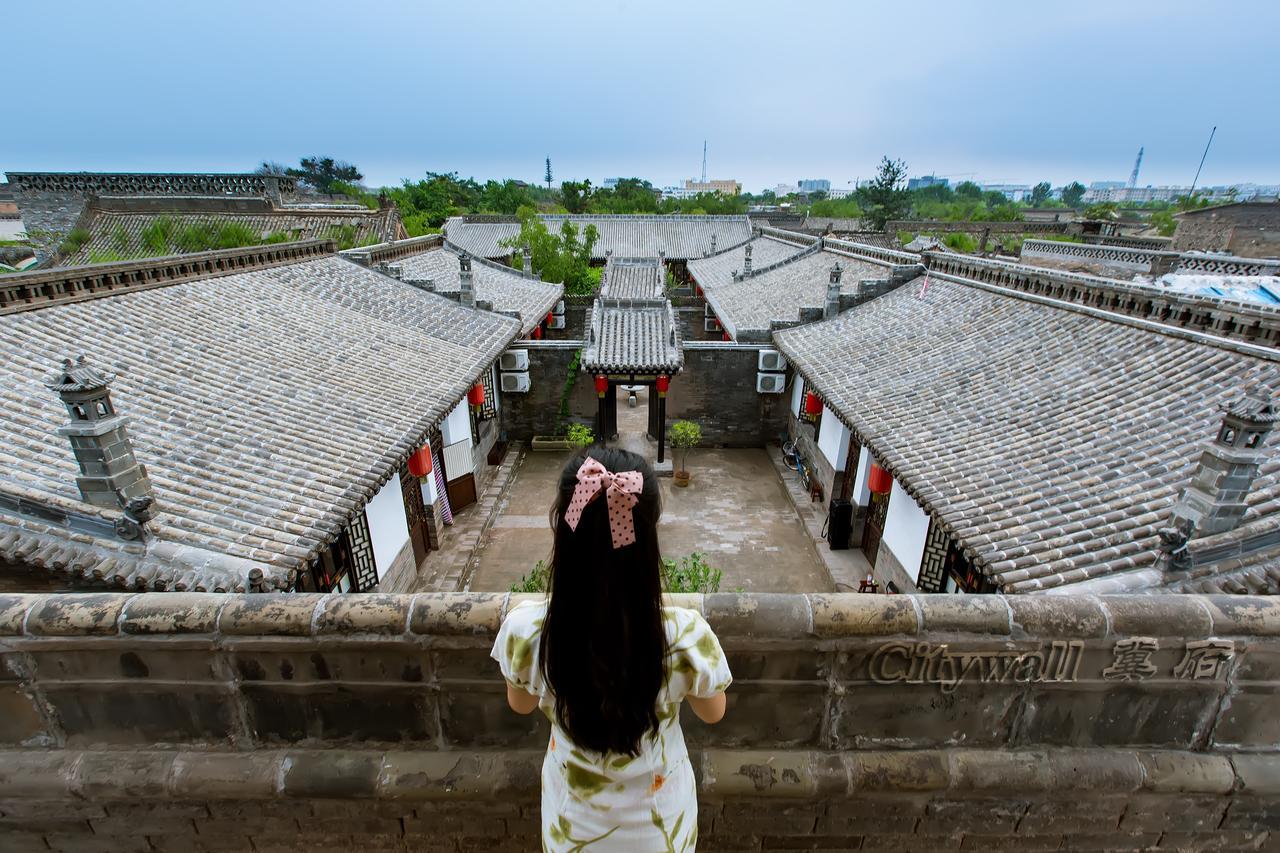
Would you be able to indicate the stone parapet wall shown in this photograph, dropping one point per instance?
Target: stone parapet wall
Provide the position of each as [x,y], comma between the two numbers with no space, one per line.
[938,226]
[1247,322]
[150,183]
[235,722]
[1153,261]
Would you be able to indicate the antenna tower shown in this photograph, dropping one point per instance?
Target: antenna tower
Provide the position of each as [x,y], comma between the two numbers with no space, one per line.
[1137,164]
[704,161]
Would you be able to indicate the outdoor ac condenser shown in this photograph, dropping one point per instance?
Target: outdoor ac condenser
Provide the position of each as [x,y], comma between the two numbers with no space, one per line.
[559,309]
[771,359]
[711,324]
[513,359]
[557,321]
[515,382]
[769,383]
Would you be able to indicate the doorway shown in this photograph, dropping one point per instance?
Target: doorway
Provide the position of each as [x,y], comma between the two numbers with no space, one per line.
[873,531]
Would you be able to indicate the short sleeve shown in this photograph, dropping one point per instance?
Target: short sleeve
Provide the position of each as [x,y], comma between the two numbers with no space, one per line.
[516,648]
[699,658]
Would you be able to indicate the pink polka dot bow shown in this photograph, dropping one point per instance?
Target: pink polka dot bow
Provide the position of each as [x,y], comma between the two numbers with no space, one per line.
[620,493]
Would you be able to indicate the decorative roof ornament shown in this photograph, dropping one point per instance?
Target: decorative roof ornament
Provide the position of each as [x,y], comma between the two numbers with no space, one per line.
[79,377]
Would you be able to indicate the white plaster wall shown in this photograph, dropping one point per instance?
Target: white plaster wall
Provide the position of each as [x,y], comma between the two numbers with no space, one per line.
[797,389]
[457,424]
[833,439]
[861,489]
[906,527]
[388,525]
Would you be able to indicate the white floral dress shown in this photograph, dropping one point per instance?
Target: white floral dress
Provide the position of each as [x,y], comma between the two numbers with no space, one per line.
[593,802]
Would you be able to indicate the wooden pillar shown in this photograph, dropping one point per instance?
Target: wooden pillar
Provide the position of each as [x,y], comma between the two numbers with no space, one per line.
[611,411]
[602,422]
[653,413]
[662,427]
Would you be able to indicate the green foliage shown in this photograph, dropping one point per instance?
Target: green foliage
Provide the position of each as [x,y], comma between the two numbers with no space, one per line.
[961,242]
[685,435]
[570,379]
[74,241]
[355,193]
[969,190]
[104,256]
[575,196]
[1040,193]
[1102,210]
[580,435]
[885,197]
[561,257]
[322,173]
[702,204]
[691,575]
[905,237]
[840,208]
[631,195]
[120,238]
[1164,223]
[535,581]
[157,237]
[547,176]
[1073,194]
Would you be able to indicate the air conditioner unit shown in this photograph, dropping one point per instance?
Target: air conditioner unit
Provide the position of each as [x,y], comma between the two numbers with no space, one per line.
[767,383]
[513,359]
[559,309]
[557,321]
[515,382]
[771,359]
[711,324]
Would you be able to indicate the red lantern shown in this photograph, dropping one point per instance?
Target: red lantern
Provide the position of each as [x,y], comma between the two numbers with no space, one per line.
[663,383]
[475,396]
[812,403]
[879,480]
[549,316]
[602,384]
[537,333]
[726,337]
[420,461]
[699,292]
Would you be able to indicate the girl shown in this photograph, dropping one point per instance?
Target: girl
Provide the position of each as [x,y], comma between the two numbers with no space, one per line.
[609,666]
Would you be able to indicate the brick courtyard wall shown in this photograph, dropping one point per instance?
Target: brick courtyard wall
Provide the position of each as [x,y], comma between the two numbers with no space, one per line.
[536,412]
[717,389]
[174,721]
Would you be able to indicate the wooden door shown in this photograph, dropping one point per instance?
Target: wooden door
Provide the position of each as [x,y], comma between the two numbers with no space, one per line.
[415,514]
[850,469]
[874,529]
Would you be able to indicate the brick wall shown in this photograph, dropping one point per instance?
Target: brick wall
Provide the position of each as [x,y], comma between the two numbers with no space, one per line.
[536,412]
[174,721]
[718,390]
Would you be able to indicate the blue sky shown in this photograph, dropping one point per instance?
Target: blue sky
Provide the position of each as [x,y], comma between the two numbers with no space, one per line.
[1001,91]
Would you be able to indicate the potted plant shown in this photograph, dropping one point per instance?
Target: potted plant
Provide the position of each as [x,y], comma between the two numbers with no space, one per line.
[685,435]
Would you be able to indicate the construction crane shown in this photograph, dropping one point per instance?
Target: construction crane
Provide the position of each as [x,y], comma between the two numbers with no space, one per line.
[704,161]
[1137,164]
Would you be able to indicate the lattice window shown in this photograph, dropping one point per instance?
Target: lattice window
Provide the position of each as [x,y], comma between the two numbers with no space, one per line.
[365,569]
[933,565]
[489,409]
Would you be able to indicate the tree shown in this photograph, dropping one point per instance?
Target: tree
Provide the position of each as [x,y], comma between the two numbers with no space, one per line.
[548,175]
[1073,194]
[969,190]
[322,172]
[271,167]
[560,257]
[575,195]
[885,197]
[1040,193]
[506,197]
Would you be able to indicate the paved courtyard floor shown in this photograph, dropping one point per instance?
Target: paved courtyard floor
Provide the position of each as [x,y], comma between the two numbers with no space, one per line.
[736,512]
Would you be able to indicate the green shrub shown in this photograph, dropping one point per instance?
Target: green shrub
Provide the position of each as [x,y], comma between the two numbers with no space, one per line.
[961,242]
[685,435]
[74,241]
[104,256]
[691,574]
[158,237]
[120,237]
[580,435]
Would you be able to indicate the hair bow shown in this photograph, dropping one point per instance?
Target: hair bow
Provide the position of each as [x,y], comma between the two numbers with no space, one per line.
[620,492]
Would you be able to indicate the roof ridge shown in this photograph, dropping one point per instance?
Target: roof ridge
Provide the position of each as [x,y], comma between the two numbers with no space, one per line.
[63,285]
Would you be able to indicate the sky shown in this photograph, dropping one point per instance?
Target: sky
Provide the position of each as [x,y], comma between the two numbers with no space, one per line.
[1012,92]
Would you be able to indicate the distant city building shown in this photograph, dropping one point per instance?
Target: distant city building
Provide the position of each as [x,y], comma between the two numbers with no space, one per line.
[927,181]
[1013,192]
[611,183]
[785,189]
[694,188]
[840,192]
[814,185]
[1107,185]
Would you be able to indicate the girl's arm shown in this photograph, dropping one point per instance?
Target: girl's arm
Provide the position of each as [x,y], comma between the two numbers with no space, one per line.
[521,701]
[709,710]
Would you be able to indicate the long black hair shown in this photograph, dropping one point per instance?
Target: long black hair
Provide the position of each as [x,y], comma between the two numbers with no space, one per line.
[603,648]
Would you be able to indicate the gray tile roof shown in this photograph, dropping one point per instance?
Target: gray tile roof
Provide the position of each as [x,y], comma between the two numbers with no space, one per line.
[719,268]
[268,407]
[633,278]
[678,237]
[632,336]
[506,290]
[1051,441]
[786,292]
